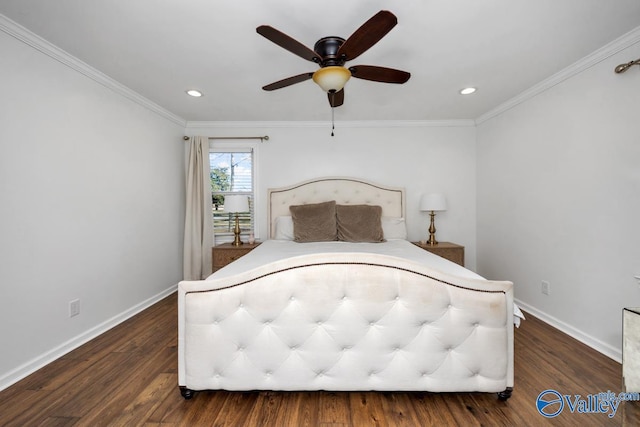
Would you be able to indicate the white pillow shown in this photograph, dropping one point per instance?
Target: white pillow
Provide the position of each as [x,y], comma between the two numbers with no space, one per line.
[284,228]
[394,228]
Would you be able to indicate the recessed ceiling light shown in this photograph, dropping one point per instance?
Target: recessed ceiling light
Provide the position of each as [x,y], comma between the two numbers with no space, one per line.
[468,90]
[194,93]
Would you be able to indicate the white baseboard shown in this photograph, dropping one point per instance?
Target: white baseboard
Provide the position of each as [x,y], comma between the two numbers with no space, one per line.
[36,363]
[596,344]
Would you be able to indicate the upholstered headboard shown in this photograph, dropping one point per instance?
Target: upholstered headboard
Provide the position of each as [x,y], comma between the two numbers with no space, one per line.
[345,191]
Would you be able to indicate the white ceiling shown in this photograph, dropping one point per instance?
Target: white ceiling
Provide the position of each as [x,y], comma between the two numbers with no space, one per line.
[161,48]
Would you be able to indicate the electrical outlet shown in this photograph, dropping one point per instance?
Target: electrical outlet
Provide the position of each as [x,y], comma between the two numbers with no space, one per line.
[74,307]
[545,288]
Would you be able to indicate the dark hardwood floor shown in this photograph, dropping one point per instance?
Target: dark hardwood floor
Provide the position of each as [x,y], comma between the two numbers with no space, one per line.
[127,377]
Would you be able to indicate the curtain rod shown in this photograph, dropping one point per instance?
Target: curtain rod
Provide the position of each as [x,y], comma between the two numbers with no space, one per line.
[261,138]
[624,67]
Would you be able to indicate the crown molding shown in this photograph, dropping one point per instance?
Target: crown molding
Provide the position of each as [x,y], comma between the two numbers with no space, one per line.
[22,34]
[324,124]
[608,50]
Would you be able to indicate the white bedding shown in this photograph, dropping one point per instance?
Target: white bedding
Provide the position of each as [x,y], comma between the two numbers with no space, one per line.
[275,250]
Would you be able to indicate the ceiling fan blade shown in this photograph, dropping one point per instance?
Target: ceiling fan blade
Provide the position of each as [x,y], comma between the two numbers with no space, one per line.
[379,74]
[367,35]
[286,42]
[288,81]
[336,99]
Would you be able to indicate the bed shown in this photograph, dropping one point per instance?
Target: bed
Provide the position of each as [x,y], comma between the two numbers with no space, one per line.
[347,314]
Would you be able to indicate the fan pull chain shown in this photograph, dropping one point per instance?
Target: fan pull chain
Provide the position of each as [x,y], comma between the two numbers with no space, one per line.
[333,99]
[333,126]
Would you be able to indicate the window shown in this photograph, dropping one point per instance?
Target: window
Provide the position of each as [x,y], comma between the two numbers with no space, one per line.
[232,172]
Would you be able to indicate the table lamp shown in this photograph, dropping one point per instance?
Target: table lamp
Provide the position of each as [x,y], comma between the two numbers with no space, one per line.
[236,203]
[432,203]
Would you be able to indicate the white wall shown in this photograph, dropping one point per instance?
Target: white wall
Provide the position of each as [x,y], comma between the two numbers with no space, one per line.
[420,157]
[559,200]
[91,188]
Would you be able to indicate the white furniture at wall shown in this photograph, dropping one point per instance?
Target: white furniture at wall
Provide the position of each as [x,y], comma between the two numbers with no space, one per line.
[631,349]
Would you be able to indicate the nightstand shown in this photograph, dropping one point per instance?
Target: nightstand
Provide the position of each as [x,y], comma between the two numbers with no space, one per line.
[226,253]
[447,250]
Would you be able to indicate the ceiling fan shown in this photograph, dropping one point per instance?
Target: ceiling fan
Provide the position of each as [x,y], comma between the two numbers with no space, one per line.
[332,52]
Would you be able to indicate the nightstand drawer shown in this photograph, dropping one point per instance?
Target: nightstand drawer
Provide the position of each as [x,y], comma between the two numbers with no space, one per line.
[447,250]
[226,253]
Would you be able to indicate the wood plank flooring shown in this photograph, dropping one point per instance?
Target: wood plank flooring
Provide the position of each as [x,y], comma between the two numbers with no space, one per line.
[128,377]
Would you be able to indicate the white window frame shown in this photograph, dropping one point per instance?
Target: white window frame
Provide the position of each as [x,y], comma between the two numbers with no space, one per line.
[237,147]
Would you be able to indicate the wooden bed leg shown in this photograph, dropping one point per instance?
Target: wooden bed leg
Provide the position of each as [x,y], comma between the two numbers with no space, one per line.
[187,393]
[504,395]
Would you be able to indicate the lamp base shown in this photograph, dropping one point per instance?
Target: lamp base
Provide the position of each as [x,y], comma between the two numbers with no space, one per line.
[237,241]
[432,230]
[236,233]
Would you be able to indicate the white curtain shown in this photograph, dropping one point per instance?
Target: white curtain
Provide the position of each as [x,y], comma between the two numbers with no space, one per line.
[198,224]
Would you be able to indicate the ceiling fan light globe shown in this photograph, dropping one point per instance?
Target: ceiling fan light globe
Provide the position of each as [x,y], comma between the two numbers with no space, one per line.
[332,78]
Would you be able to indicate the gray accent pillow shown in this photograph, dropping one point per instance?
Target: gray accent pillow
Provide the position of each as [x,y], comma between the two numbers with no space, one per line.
[315,222]
[359,223]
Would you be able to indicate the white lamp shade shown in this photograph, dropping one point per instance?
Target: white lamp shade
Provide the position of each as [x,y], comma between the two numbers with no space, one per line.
[332,78]
[236,203]
[433,202]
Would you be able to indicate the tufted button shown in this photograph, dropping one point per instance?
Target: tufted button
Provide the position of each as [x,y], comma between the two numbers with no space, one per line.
[397,297]
[267,373]
[319,322]
[292,298]
[372,323]
[449,306]
[241,305]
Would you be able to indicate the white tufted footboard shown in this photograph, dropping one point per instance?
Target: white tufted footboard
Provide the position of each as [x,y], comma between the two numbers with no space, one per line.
[345,322]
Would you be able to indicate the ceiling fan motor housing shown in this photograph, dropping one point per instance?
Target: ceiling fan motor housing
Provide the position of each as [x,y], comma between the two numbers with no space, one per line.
[327,48]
